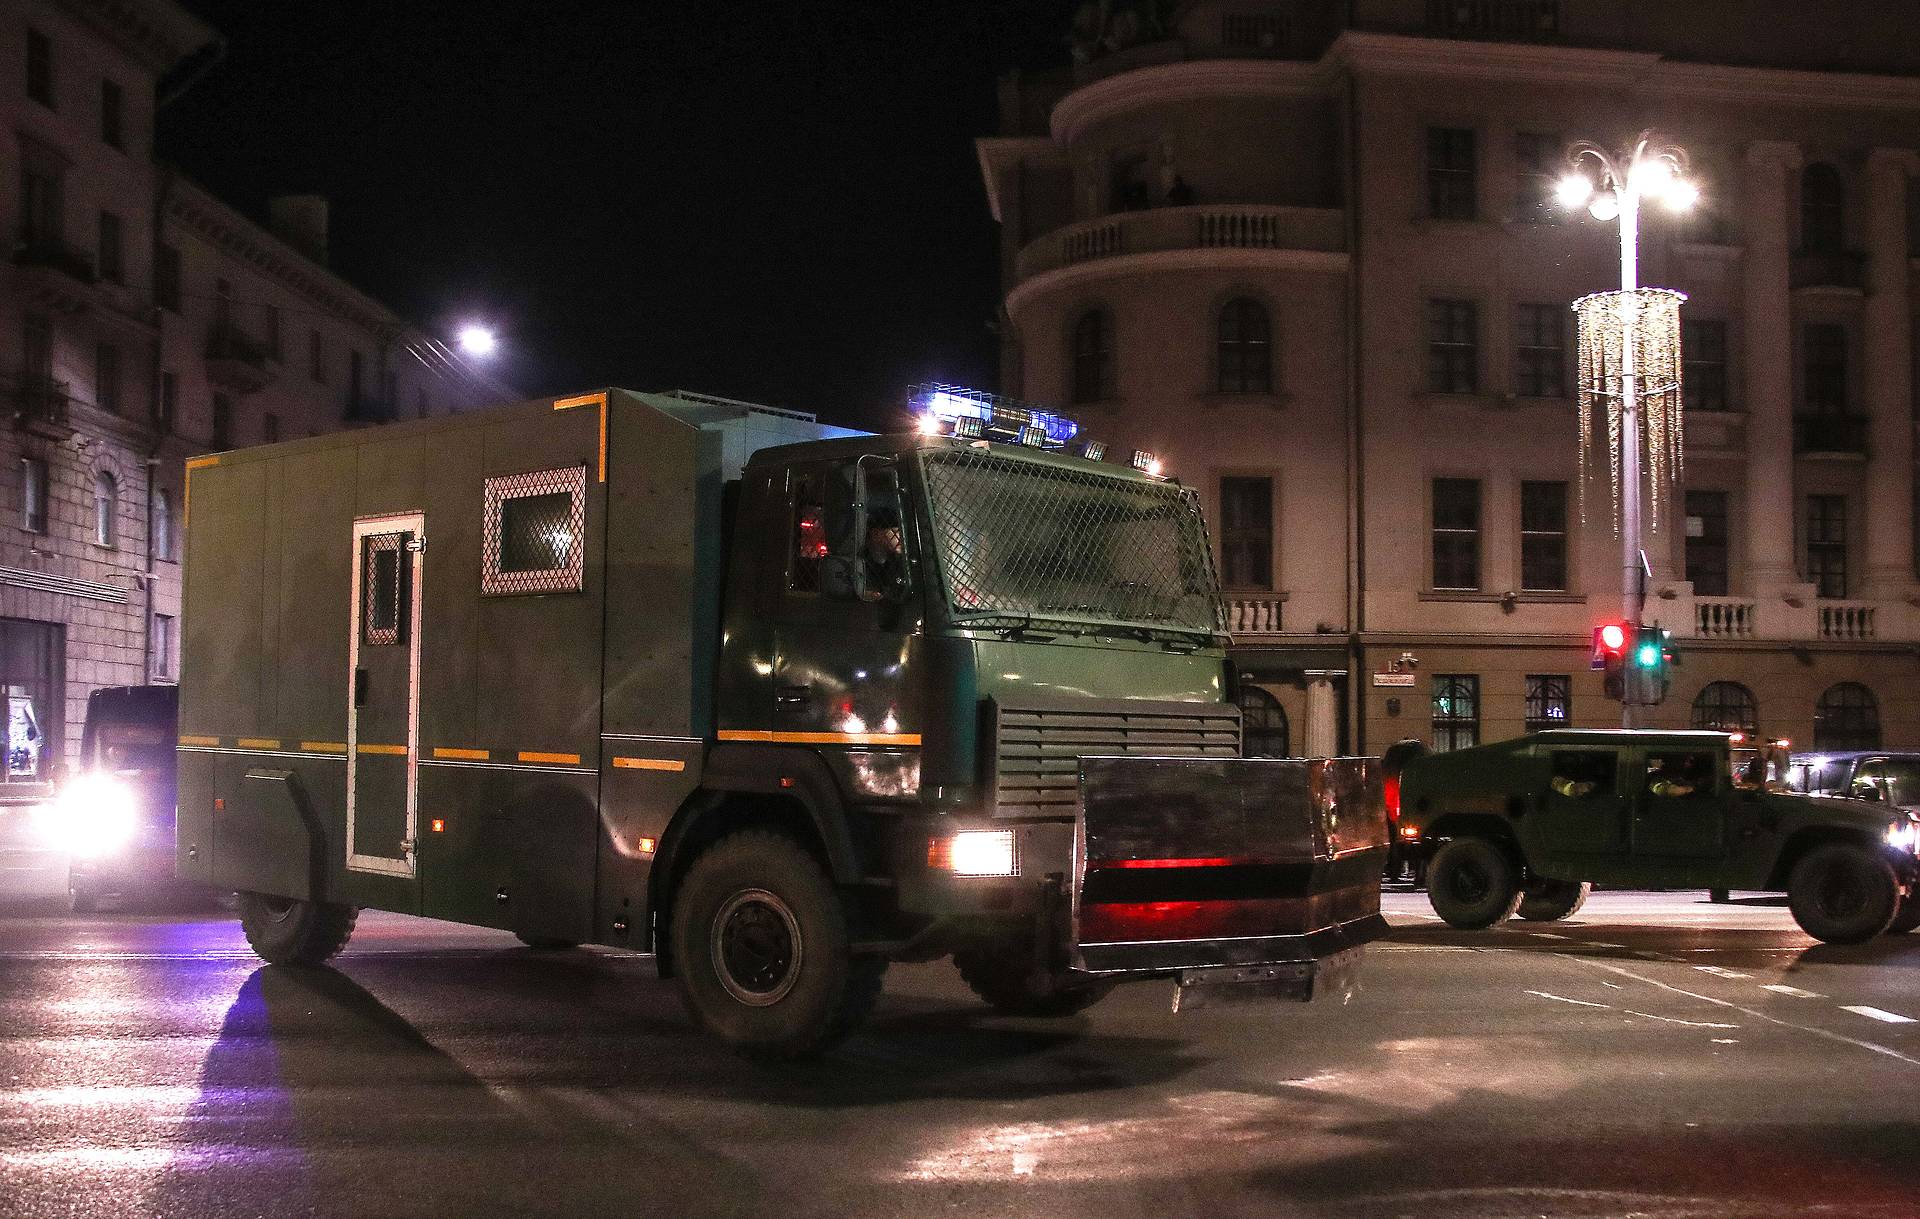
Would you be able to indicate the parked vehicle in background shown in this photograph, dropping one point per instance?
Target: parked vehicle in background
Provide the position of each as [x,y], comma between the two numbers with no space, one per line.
[1887,776]
[1527,826]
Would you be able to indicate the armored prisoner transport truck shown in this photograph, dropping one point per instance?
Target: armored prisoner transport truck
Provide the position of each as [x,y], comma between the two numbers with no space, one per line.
[774,701]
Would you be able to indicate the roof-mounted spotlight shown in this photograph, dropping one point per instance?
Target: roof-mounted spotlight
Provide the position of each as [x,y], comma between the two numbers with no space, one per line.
[1146,463]
[966,428]
[1033,435]
[1093,450]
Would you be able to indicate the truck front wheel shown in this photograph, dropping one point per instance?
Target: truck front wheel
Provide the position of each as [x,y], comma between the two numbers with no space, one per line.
[1011,985]
[764,955]
[1473,884]
[291,931]
[1547,901]
[1843,893]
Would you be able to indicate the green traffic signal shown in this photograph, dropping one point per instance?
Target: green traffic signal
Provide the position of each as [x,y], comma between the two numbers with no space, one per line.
[1648,656]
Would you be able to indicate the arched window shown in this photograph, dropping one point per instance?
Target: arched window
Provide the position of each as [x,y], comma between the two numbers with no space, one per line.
[106,509]
[1846,717]
[1263,725]
[1245,348]
[1093,379]
[162,525]
[1822,210]
[1726,706]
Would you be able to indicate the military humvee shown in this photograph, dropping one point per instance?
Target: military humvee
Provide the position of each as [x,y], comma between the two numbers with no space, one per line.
[1527,826]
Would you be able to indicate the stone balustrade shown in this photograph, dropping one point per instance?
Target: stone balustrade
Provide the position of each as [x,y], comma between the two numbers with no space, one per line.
[1253,615]
[1205,227]
[1724,617]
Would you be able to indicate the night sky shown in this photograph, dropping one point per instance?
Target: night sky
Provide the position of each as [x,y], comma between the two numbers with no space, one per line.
[771,200]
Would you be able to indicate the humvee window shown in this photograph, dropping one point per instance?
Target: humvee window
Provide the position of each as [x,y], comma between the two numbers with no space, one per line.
[1582,773]
[1680,774]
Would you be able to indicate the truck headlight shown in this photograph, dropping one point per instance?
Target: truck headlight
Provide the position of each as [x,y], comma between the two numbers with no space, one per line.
[93,816]
[1905,834]
[974,853]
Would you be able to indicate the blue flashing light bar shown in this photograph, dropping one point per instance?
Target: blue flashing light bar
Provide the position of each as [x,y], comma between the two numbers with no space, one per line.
[997,418]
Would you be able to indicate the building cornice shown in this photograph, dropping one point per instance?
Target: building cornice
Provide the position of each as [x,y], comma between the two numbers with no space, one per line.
[155,32]
[1157,262]
[1190,80]
[1000,154]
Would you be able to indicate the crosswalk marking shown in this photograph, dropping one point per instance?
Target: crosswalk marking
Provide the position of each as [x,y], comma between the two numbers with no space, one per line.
[1781,988]
[1874,1013]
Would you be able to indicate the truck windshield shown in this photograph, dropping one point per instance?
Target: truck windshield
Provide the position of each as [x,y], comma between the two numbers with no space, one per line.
[1020,540]
[133,746]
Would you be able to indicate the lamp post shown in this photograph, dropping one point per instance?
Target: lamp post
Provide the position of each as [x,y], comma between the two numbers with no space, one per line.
[1613,186]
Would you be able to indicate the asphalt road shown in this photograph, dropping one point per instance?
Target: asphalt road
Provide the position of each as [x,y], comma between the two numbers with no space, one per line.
[1657,1056]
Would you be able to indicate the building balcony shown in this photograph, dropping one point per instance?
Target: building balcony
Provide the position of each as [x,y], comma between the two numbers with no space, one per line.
[1206,227]
[238,361]
[1830,435]
[40,406]
[54,274]
[1801,619]
[1845,270]
[1253,614]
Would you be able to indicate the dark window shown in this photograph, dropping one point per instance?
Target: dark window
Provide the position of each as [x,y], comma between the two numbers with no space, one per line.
[1707,542]
[1543,536]
[39,68]
[222,422]
[1453,346]
[106,377]
[533,533]
[1549,701]
[33,494]
[42,215]
[166,404]
[31,678]
[1538,163]
[1456,711]
[1245,348]
[536,532]
[1584,773]
[316,364]
[166,277]
[106,510]
[1846,717]
[1500,18]
[1726,706]
[1824,374]
[383,621]
[36,360]
[113,264]
[1540,351]
[1823,210]
[1450,173]
[112,115]
[1246,532]
[1456,533]
[1703,348]
[1827,544]
[1264,732]
[270,428]
[1093,379]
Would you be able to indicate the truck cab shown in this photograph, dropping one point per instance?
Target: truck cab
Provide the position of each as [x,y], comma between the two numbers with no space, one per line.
[114,816]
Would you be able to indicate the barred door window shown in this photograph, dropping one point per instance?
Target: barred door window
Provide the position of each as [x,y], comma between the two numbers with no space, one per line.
[1827,544]
[1456,533]
[1549,701]
[1453,346]
[1451,179]
[1456,711]
[534,528]
[1703,348]
[1543,536]
[1540,351]
[1246,532]
[1707,542]
[1846,717]
[1264,731]
[1822,210]
[387,589]
[1726,706]
[1245,348]
[1093,378]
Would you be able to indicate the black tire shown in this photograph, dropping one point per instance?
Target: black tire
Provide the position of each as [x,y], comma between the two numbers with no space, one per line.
[81,901]
[546,943]
[763,951]
[1010,984]
[292,931]
[1843,893]
[1547,901]
[1909,916]
[1473,884]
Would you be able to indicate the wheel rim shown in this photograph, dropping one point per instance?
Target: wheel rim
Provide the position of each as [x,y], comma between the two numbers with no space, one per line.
[1470,884]
[1842,892]
[278,908]
[757,947]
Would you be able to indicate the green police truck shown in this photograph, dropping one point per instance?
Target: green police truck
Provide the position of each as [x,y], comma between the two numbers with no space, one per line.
[1527,826]
[776,702]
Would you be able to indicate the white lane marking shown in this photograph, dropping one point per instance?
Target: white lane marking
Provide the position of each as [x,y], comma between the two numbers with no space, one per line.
[1880,1014]
[1721,972]
[1781,988]
[1692,1024]
[1563,999]
[1597,944]
[1726,1041]
[1747,1011]
[1545,935]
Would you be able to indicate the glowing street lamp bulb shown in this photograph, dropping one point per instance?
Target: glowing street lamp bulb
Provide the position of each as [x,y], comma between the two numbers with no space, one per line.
[1573,190]
[1682,195]
[1605,206]
[477,341]
[1651,177]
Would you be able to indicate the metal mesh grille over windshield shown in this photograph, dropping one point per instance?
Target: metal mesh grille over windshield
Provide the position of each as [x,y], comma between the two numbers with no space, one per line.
[1022,539]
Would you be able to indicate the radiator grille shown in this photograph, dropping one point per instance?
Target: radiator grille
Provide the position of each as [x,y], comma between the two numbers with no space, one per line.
[1038,749]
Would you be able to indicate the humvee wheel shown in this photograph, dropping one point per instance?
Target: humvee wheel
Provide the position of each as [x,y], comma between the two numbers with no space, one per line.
[761,942]
[1011,985]
[1843,893]
[1545,901]
[1909,916]
[290,931]
[1473,884]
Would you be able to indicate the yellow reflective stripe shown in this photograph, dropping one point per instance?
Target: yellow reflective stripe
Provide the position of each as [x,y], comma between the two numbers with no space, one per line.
[393,750]
[464,755]
[199,740]
[649,764]
[599,400]
[820,738]
[324,746]
[257,742]
[194,463]
[557,759]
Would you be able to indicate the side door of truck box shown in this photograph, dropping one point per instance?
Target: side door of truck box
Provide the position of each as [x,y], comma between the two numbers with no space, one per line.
[382,690]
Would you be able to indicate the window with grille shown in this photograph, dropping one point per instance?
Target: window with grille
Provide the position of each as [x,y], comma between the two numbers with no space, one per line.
[1538,163]
[1824,368]
[1707,542]
[1540,350]
[1549,701]
[534,533]
[1244,348]
[33,494]
[1453,346]
[1093,377]
[1823,210]
[1246,532]
[1827,544]
[1451,178]
[1456,533]
[1726,706]
[1543,536]
[1264,731]
[1703,355]
[1846,717]
[386,573]
[1456,711]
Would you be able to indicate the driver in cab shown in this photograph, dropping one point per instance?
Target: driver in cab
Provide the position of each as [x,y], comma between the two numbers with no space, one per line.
[1674,775]
[884,557]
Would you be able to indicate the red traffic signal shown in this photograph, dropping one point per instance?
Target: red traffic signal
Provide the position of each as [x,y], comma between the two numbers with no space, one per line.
[1614,636]
[1609,644]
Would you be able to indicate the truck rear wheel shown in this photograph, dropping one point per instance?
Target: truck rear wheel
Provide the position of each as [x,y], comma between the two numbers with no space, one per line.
[291,931]
[1909,916]
[1011,985]
[1843,893]
[1473,884]
[1546,901]
[761,943]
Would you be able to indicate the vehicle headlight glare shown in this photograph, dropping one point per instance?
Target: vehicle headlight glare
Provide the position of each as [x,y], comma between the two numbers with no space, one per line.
[93,816]
[975,853]
[1905,835]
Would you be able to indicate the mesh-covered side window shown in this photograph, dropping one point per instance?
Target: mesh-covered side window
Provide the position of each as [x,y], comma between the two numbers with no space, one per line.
[383,566]
[534,531]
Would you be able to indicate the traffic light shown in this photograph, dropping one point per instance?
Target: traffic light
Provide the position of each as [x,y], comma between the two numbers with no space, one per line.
[1610,642]
[1649,666]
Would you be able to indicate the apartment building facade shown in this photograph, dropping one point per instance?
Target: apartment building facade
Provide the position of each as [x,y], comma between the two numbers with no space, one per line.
[1309,254]
[143,321]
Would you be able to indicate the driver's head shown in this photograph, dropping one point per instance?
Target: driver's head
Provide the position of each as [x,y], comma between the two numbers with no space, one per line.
[883,531]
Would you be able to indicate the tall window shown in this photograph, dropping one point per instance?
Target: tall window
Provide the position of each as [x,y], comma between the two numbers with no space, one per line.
[222,437]
[113,266]
[42,213]
[1543,536]
[1456,533]
[1846,717]
[33,494]
[1245,348]
[112,115]
[39,68]
[166,277]
[1264,732]
[106,377]
[1537,166]
[162,529]
[1540,351]
[1456,711]
[167,402]
[1703,348]
[1823,348]
[1827,544]
[1246,532]
[1093,379]
[36,351]
[1549,701]
[1453,346]
[1823,210]
[1707,542]
[1450,173]
[106,510]
[1726,706]
[162,645]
